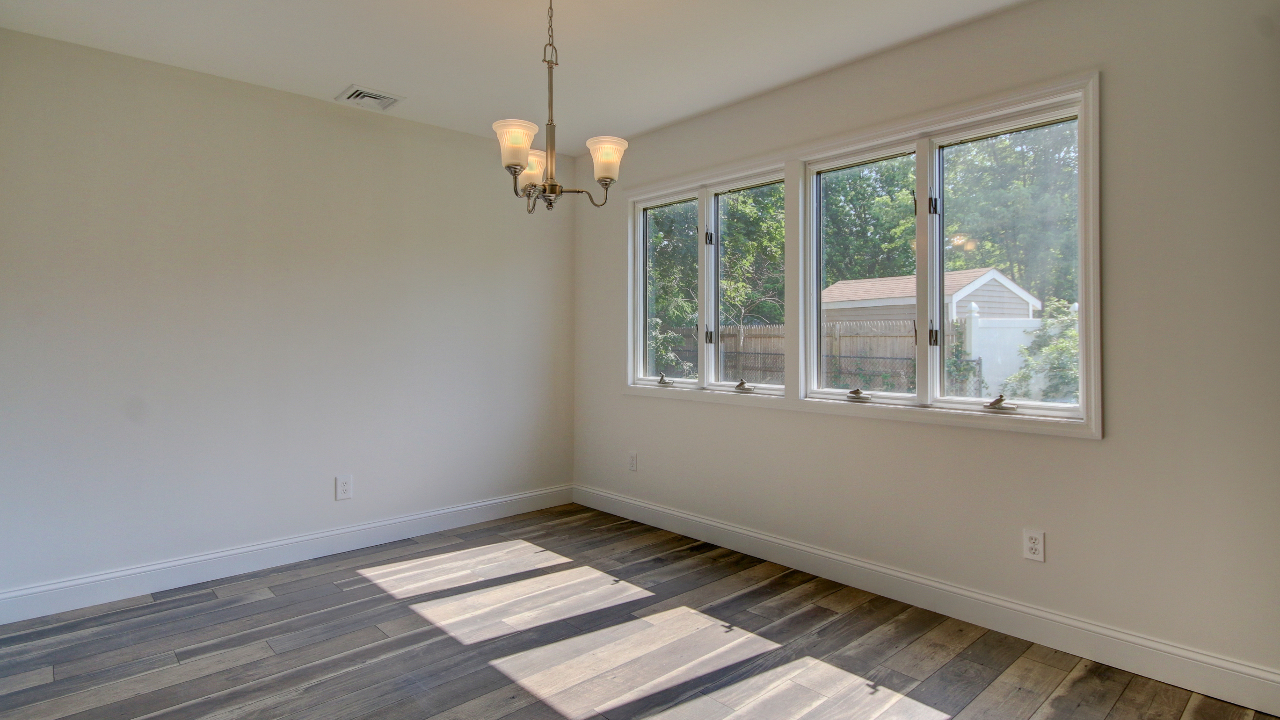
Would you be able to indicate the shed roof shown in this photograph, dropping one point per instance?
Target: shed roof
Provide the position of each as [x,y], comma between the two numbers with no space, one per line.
[903,286]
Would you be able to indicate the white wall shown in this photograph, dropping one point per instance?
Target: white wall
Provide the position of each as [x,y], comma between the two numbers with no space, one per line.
[1167,527]
[215,297]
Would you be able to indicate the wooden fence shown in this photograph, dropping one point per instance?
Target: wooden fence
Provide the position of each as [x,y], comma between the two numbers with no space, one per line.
[870,354]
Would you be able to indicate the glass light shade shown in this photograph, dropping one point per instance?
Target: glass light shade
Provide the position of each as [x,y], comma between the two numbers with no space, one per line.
[606,153]
[515,137]
[533,173]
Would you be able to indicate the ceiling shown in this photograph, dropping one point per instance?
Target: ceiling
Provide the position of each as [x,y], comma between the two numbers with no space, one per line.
[626,66]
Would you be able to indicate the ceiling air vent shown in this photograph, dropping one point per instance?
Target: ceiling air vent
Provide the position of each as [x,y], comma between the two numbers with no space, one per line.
[367,99]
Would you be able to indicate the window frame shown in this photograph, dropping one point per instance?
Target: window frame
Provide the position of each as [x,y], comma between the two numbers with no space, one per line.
[704,193]
[639,298]
[798,168]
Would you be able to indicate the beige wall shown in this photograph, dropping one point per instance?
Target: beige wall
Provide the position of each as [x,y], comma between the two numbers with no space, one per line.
[1167,527]
[215,297]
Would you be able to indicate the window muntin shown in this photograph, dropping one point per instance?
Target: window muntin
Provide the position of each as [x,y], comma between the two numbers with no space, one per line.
[750,295]
[866,296]
[1010,250]
[670,328]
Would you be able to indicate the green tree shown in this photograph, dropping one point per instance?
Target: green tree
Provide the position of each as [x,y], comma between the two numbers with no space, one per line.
[752,237]
[671,293]
[868,221]
[1052,355]
[1010,202]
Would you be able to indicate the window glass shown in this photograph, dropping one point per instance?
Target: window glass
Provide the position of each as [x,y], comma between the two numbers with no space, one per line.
[867,236]
[1010,245]
[671,290]
[750,238]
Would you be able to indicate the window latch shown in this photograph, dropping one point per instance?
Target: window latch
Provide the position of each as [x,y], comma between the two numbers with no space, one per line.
[662,380]
[933,206]
[742,386]
[857,395]
[711,336]
[933,336]
[999,404]
[711,238]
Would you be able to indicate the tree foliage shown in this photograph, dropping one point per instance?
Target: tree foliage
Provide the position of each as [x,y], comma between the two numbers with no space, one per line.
[1009,202]
[868,221]
[1052,355]
[671,295]
[751,235]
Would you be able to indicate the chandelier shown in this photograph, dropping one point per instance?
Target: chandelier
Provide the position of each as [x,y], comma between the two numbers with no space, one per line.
[533,172]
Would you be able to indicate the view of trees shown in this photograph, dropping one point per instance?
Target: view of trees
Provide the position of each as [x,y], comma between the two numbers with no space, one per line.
[1009,202]
[869,221]
[671,297]
[750,224]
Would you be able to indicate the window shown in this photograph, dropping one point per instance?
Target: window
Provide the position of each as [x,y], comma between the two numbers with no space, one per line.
[1010,249]
[750,240]
[671,290]
[712,297]
[867,248]
[944,271]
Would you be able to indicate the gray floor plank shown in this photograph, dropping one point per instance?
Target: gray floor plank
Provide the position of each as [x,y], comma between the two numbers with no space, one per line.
[1207,708]
[1147,699]
[936,648]
[291,567]
[16,644]
[1089,692]
[187,643]
[352,695]
[70,615]
[88,700]
[91,641]
[77,683]
[792,600]
[1016,694]
[864,654]
[174,696]
[1051,657]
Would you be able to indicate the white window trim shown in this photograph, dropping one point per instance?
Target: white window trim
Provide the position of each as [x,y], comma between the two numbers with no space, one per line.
[1075,96]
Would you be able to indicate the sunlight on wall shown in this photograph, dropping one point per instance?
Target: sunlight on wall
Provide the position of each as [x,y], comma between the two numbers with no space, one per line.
[463,567]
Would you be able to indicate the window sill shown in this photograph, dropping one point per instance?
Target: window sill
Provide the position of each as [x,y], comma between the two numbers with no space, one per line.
[904,412]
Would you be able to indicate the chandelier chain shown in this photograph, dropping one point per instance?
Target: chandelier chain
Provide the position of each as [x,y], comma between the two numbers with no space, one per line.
[549,54]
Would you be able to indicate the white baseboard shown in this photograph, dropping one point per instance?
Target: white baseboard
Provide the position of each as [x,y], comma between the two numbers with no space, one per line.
[86,590]
[1231,680]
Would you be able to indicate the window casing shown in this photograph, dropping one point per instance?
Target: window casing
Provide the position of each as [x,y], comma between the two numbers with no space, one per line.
[942,360]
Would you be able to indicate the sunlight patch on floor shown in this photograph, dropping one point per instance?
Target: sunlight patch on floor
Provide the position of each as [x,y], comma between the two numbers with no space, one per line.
[492,612]
[636,667]
[463,567]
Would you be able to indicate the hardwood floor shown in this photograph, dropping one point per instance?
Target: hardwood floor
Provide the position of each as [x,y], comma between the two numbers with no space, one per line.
[563,613]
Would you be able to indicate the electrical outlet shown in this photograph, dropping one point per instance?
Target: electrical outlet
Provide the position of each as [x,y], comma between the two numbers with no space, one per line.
[1033,544]
[633,462]
[344,487]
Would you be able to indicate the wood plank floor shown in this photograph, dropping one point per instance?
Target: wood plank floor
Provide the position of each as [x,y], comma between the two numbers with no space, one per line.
[563,613]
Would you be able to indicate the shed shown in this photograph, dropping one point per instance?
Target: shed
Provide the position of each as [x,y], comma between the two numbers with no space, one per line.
[894,298]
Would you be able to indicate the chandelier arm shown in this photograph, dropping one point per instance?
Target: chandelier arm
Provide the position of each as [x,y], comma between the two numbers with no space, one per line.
[531,203]
[589,196]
